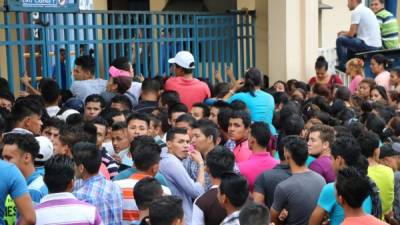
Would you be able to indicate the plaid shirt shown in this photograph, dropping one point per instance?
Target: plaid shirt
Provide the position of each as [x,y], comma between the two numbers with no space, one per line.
[232,219]
[103,194]
[193,170]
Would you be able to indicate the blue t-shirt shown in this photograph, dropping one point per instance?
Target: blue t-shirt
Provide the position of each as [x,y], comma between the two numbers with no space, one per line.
[36,187]
[327,201]
[261,106]
[11,182]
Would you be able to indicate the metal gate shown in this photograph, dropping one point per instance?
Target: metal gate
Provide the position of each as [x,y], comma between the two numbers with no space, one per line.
[32,42]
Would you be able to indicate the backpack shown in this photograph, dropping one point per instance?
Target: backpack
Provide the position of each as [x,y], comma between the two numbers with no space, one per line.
[376,200]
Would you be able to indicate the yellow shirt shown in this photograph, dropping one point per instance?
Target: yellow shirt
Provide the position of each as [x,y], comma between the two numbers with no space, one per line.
[383,176]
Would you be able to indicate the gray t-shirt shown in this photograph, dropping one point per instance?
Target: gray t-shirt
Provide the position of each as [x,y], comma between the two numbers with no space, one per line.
[298,194]
[396,203]
[268,180]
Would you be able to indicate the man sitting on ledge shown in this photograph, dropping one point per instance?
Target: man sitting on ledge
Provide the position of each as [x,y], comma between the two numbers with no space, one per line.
[364,33]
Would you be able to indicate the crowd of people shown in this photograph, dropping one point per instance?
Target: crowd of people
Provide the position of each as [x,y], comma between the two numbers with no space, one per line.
[179,150]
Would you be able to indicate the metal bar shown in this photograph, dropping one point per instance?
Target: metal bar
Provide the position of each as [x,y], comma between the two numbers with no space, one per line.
[167,38]
[20,36]
[96,47]
[247,24]
[57,65]
[68,72]
[161,52]
[113,37]
[235,43]
[9,53]
[195,45]
[121,46]
[106,47]
[253,40]
[145,50]
[137,46]
[153,52]
[203,47]
[241,51]
[209,55]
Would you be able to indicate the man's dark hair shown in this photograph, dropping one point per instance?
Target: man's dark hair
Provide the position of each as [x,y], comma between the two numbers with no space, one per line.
[7,95]
[188,118]
[235,187]
[146,190]
[369,142]
[122,99]
[5,120]
[70,135]
[219,161]
[109,113]
[95,98]
[254,214]
[165,210]
[178,107]
[140,141]
[100,121]
[297,148]
[238,105]
[146,156]
[260,131]
[352,186]
[60,171]
[221,105]
[50,90]
[208,128]
[53,122]
[245,116]
[169,98]
[25,107]
[139,116]
[292,125]
[223,117]
[86,62]
[88,155]
[347,148]
[343,93]
[171,133]
[118,126]
[151,85]
[155,119]
[204,107]
[185,70]
[25,142]
[121,63]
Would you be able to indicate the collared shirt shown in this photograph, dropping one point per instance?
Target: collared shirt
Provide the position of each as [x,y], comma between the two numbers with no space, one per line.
[232,219]
[109,162]
[64,208]
[230,144]
[242,151]
[193,170]
[36,187]
[103,194]
[130,211]
[255,165]
[180,183]
[125,174]
[52,110]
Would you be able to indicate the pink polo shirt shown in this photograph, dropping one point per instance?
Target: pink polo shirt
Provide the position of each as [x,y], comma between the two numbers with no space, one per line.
[242,151]
[190,90]
[255,165]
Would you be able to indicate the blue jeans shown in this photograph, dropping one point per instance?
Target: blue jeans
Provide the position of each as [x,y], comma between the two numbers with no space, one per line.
[347,47]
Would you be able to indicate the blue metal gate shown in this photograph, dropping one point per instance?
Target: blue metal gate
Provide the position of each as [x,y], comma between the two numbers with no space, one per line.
[32,42]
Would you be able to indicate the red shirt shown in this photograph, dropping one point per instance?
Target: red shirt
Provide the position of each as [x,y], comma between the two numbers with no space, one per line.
[190,90]
[333,80]
[255,165]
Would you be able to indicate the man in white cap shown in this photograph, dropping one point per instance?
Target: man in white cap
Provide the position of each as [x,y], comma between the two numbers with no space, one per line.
[190,90]
[45,152]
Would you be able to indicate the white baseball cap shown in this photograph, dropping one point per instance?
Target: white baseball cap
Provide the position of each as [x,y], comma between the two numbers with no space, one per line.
[46,149]
[184,59]
[66,114]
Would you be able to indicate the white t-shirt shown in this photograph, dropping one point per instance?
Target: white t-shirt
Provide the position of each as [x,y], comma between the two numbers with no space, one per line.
[368,26]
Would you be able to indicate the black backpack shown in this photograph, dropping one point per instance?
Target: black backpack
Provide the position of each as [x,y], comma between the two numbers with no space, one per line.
[376,200]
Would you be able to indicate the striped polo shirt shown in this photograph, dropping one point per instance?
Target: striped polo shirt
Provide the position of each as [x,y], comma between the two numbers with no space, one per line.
[389,29]
[130,211]
[64,208]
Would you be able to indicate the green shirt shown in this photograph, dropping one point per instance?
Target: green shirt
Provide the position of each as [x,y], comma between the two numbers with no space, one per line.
[389,29]
[383,176]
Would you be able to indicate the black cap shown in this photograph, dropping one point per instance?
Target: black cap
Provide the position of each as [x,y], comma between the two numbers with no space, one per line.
[388,150]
